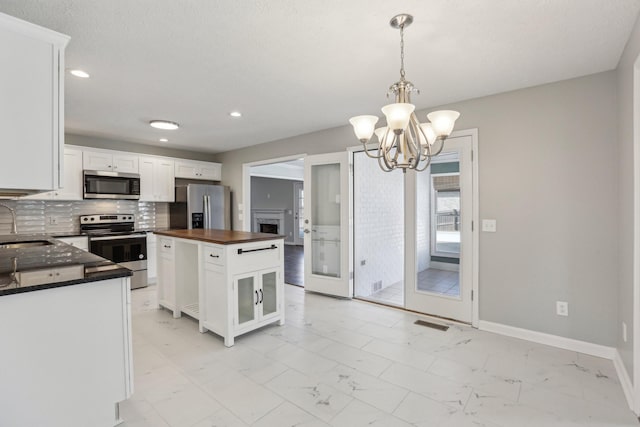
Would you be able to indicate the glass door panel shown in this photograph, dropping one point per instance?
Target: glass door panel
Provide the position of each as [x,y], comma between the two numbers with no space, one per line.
[246,299]
[325,217]
[269,293]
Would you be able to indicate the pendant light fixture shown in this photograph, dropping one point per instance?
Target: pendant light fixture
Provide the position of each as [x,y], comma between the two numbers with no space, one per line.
[404,143]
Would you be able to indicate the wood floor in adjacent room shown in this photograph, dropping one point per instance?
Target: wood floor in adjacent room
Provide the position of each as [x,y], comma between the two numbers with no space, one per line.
[349,363]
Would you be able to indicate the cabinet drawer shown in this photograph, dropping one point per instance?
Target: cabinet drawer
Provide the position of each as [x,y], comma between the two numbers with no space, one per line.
[166,246]
[50,275]
[214,255]
[256,256]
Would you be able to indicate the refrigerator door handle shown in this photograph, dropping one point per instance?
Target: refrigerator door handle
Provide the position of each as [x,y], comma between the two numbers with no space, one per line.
[206,211]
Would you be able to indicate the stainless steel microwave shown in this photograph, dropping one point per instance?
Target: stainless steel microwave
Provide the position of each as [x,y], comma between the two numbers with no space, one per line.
[111,185]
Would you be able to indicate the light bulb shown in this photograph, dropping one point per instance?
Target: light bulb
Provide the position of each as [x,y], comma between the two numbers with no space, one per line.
[443,121]
[398,115]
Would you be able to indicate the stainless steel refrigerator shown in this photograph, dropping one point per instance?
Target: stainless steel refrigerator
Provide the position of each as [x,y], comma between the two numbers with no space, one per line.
[201,206]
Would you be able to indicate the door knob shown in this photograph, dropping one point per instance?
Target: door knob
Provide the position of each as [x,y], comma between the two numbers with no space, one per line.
[306,230]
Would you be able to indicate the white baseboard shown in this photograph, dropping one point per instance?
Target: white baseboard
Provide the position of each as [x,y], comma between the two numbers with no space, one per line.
[548,339]
[444,266]
[623,376]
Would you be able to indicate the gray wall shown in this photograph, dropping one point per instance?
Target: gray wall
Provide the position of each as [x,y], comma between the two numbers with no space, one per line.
[156,150]
[270,193]
[557,232]
[625,182]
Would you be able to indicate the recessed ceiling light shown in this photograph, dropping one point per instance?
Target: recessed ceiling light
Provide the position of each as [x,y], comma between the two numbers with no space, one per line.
[163,124]
[235,114]
[164,140]
[80,73]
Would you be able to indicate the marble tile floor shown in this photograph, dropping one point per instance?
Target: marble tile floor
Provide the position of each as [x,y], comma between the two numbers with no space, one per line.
[349,363]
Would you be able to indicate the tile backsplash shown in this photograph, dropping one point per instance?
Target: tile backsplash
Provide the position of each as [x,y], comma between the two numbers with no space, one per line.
[53,216]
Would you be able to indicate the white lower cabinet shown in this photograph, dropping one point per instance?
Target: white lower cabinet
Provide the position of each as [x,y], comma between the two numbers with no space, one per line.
[230,288]
[152,250]
[256,298]
[67,355]
[166,273]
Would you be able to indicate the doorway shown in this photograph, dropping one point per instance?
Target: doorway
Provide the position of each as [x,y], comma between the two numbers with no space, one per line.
[274,206]
[414,246]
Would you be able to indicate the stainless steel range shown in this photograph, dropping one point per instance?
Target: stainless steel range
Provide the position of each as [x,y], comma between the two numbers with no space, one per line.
[113,237]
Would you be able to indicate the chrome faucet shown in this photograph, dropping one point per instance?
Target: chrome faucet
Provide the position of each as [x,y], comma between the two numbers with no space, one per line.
[14,227]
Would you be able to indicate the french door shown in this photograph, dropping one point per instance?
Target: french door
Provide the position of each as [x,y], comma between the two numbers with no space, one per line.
[413,238]
[327,228]
[439,277]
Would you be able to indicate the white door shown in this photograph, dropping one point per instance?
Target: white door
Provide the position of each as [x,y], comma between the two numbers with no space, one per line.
[298,213]
[439,277]
[327,199]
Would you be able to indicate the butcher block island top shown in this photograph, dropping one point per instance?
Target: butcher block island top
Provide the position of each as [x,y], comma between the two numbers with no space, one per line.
[220,237]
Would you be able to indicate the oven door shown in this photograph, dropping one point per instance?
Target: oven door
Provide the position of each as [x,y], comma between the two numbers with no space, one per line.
[111,185]
[129,251]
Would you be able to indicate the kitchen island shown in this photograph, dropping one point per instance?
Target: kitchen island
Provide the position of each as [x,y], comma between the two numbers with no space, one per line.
[65,327]
[232,282]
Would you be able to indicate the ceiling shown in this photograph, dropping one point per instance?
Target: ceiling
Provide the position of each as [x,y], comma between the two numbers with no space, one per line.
[294,67]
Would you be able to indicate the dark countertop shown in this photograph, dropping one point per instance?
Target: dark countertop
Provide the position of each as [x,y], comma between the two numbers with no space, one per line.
[220,237]
[50,266]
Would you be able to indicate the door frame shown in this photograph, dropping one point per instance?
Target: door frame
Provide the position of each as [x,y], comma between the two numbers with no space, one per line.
[475,217]
[245,209]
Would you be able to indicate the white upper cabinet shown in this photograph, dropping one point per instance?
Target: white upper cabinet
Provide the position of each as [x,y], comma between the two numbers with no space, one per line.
[194,169]
[156,179]
[72,179]
[31,106]
[114,161]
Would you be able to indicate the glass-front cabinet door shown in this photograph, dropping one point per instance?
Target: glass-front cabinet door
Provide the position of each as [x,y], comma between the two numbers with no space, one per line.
[269,293]
[247,299]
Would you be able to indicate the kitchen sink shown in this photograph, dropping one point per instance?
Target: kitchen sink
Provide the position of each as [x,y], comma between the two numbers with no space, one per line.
[27,244]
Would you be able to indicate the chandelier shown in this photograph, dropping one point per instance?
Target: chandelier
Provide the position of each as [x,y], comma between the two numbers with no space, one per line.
[404,143]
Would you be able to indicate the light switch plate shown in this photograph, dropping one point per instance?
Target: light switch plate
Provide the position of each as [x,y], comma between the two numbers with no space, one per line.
[489,225]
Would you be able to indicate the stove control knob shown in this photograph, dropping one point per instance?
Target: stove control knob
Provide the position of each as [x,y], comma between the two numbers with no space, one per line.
[93,219]
[141,256]
[85,219]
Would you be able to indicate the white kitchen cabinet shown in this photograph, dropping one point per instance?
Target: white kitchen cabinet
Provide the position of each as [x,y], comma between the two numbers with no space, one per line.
[152,265]
[114,161]
[72,185]
[193,169]
[256,298]
[231,288]
[31,107]
[166,273]
[80,242]
[156,179]
[67,356]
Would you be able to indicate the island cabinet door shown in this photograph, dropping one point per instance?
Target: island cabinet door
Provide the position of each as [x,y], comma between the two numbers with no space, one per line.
[258,298]
[246,300]
[269,303]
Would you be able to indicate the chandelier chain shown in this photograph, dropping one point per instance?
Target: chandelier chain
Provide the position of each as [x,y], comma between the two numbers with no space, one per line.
[402,52]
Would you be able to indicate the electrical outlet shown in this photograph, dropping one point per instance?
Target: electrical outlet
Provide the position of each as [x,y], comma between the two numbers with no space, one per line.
[489,225]
[53,220]
[325,269]
[363,262]
[624,332]
[562,308]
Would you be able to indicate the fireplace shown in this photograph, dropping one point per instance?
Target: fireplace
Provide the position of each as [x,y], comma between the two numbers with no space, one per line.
[268,221]
[269,228]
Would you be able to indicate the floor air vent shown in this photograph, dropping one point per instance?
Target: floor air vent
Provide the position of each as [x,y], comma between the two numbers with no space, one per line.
[431,325]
